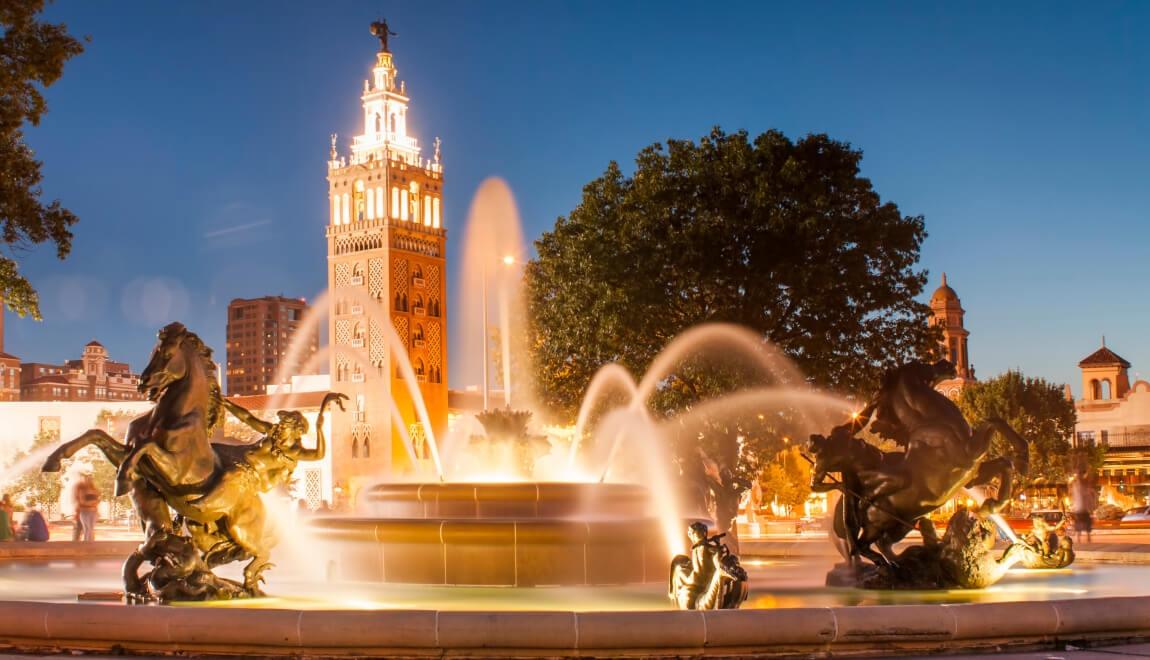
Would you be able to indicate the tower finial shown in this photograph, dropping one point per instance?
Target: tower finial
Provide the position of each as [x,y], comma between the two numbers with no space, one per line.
[1103,341]
[380,31]
[944,278]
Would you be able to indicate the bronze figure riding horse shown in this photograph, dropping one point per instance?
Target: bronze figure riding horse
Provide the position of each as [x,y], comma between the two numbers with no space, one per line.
[887,493]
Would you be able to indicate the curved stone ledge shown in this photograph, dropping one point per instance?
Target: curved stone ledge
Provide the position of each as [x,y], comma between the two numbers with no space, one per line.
[747,633]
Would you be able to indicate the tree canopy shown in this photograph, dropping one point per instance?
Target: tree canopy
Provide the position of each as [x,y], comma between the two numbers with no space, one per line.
[32,57]
[1037,409]
[784,237]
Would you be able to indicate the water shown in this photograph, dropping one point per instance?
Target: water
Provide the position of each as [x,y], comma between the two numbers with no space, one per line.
[781,583]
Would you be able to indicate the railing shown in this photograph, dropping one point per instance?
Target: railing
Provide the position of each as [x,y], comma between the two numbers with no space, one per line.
[419,282]
[1124,439]
[419,311]
[357,310]
[357,280]
[418,343]
[357,342]
[357,378]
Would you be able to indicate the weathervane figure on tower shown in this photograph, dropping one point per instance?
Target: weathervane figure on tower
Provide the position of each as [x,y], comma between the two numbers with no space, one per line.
[380,30]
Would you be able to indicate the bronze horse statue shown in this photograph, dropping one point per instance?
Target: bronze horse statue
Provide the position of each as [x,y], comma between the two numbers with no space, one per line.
[886,494]
[168,462]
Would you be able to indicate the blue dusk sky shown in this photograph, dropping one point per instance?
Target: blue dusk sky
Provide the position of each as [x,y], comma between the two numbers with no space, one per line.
[191,140]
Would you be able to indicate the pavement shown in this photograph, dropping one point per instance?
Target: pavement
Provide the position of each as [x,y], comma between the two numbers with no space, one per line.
[1070,653]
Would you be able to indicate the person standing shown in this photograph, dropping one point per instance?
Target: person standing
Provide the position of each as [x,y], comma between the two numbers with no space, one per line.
[7,528]
[1083,500]
[87,504]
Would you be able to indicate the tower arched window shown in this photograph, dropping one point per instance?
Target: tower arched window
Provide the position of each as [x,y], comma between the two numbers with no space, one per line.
[417,303]
[435,212]
[403,205]
[1107,392]
[393,123]
[417,335]
[427,211]
[378,124]
[335,209]
[420,370]
[380,203]
[413,197]
[345,208]
[360,203]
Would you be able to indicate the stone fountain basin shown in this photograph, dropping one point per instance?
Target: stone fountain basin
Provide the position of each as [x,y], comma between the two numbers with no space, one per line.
[788,614]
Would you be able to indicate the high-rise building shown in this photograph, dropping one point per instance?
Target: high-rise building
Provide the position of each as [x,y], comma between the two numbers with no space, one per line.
[386,278]
[948,315]
[259,338]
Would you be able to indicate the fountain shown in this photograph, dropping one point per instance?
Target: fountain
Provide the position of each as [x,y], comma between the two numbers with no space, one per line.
[590,546]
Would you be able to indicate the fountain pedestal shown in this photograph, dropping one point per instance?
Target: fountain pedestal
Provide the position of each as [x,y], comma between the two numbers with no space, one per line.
[500,534]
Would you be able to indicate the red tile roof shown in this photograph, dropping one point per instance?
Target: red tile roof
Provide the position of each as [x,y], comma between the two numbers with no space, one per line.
[1103,357]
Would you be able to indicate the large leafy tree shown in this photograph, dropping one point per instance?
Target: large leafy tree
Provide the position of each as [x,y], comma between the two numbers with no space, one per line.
[784,237]
[32,57]
[1037,409]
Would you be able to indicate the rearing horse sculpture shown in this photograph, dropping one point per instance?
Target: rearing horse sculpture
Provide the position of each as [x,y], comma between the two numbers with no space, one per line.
[167,448]
[887,493]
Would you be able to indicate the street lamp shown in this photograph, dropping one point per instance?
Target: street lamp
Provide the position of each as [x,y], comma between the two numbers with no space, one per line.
[508,261]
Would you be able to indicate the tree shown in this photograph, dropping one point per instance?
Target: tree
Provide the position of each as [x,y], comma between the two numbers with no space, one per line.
[1037,409]
[787,479]
[782,237]
[36,487]
[32,57]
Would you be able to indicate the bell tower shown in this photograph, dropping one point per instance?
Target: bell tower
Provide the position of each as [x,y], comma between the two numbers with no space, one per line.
[386,286]
[948,315]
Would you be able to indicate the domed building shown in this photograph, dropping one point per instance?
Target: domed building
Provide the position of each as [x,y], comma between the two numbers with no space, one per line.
[948,315]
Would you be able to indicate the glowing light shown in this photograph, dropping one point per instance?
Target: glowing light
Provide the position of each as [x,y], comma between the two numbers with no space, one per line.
[970,502]
[508,260]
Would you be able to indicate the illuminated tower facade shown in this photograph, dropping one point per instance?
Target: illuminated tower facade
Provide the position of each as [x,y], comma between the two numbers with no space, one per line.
[386,273]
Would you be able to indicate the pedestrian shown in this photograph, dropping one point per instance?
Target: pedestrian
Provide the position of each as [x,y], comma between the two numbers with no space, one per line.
[1083,500]
[87,498]
[7,528]
[35,528]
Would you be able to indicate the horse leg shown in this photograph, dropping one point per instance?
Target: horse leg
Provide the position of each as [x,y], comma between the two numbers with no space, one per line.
[163,461]
[113,450]
[929,533]
[246,528]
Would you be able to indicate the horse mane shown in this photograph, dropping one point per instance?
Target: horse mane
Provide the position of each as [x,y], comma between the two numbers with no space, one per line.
[215,408]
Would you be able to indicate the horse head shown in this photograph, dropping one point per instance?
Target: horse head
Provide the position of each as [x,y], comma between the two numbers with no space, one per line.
[168,363]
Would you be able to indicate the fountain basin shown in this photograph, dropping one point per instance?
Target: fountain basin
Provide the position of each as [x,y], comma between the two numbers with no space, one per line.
[521,534]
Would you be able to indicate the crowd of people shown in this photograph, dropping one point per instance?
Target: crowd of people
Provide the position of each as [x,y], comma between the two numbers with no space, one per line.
[33,526]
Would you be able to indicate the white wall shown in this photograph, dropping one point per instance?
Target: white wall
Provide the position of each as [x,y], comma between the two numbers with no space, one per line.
[20,420]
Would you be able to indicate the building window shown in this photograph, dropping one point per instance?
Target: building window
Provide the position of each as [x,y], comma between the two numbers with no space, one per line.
[379,203]
[395,203]
[1086,438]
[345,208]
[435,212]
[403,210]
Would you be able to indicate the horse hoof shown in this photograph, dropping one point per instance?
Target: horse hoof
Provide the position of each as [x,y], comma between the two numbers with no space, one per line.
[51,465]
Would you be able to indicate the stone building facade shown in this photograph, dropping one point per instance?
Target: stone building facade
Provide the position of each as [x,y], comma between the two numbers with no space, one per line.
[1115,413]
[93,377]
[387,288]
[948,315]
